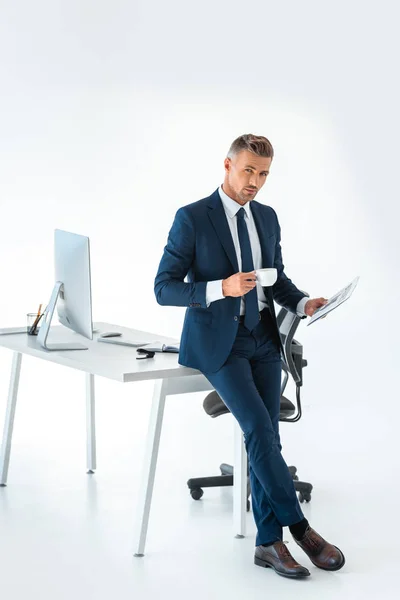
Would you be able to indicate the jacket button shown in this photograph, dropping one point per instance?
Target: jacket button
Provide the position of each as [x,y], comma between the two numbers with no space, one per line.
[235,318]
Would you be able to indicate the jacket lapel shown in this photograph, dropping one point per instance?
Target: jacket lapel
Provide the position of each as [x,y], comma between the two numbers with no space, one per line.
[261,233]
[218,219]
[262,230]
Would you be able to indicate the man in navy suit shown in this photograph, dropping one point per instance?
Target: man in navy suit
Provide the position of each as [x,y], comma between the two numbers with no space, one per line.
[230,334]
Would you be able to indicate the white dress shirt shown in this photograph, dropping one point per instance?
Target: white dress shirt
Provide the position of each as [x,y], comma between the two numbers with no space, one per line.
[214,288]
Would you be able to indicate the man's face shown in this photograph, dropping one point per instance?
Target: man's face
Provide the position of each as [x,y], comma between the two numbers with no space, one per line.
[245,174]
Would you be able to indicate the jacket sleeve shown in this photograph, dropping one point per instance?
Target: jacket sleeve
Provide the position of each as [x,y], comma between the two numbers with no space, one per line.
[285,293]
[169,286]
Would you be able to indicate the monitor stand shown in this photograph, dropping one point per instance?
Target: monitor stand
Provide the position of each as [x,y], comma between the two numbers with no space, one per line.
[46,322]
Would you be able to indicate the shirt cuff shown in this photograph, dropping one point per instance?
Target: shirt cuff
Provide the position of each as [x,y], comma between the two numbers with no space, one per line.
[214,291]
[301,306]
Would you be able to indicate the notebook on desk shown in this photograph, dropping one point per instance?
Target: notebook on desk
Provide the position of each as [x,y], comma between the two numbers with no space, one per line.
[150,346]
[122,341]
[160,347]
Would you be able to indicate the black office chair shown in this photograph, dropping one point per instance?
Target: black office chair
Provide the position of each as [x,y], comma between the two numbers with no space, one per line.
[214,406]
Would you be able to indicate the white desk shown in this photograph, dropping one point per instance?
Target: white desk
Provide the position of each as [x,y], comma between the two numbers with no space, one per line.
[119,362]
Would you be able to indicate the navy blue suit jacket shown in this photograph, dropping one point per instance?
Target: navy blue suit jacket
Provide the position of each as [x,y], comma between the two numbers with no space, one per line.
[200,248]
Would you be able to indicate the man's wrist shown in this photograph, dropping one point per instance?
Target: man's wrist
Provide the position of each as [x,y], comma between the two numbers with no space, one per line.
[300,308]
[214,291]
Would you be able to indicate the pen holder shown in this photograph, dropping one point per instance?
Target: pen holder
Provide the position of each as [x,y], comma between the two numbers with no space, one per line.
[32,324]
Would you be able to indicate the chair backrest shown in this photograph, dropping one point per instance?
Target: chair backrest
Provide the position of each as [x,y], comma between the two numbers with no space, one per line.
[287,324]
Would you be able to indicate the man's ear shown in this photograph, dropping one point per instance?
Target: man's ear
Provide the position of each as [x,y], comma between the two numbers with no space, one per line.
[227,164]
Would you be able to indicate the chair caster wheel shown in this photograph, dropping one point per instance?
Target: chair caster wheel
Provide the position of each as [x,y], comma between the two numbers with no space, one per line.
[248,506]
[196,493]
[304,497]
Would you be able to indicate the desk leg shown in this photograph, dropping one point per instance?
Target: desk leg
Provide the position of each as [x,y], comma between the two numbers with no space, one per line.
[9,421]
[90,425]
[150,463]
[239,483]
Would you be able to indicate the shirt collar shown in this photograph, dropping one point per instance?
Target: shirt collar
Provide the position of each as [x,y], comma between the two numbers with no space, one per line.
[232,207]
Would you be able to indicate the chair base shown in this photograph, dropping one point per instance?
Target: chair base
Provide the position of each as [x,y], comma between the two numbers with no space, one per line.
[197,484]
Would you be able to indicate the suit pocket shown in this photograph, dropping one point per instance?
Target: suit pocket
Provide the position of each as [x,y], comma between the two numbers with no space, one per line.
[201,316]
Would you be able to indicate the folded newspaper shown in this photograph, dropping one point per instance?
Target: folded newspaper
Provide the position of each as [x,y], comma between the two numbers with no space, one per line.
[335,301]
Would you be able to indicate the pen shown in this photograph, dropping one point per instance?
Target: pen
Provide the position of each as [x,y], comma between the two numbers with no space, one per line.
[36,321]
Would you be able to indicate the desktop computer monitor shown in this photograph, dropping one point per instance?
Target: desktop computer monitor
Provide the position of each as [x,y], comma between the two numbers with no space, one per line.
[72,291]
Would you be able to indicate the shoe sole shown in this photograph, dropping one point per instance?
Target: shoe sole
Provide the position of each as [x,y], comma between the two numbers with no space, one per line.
[263,563]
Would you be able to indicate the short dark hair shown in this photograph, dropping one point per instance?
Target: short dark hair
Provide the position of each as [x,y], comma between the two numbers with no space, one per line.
[257,144]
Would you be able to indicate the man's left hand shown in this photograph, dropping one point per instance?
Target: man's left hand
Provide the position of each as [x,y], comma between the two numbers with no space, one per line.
[312,305]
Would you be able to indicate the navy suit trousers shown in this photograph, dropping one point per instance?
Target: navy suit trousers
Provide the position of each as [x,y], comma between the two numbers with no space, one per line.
[249,383]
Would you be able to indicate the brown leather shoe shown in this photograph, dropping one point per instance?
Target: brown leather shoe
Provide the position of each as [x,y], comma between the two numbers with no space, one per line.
[320,552]
[278,557]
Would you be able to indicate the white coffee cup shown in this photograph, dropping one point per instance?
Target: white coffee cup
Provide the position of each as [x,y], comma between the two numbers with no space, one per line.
[266,277]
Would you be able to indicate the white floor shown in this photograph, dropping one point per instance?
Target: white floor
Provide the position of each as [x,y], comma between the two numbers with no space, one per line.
[64,534]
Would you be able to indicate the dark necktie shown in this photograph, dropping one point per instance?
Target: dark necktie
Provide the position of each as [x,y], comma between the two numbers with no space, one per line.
[251,317]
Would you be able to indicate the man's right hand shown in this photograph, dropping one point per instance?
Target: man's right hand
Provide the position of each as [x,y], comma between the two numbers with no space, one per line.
[239,284]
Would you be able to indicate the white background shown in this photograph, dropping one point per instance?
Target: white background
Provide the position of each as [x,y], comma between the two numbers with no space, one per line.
[115,114]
